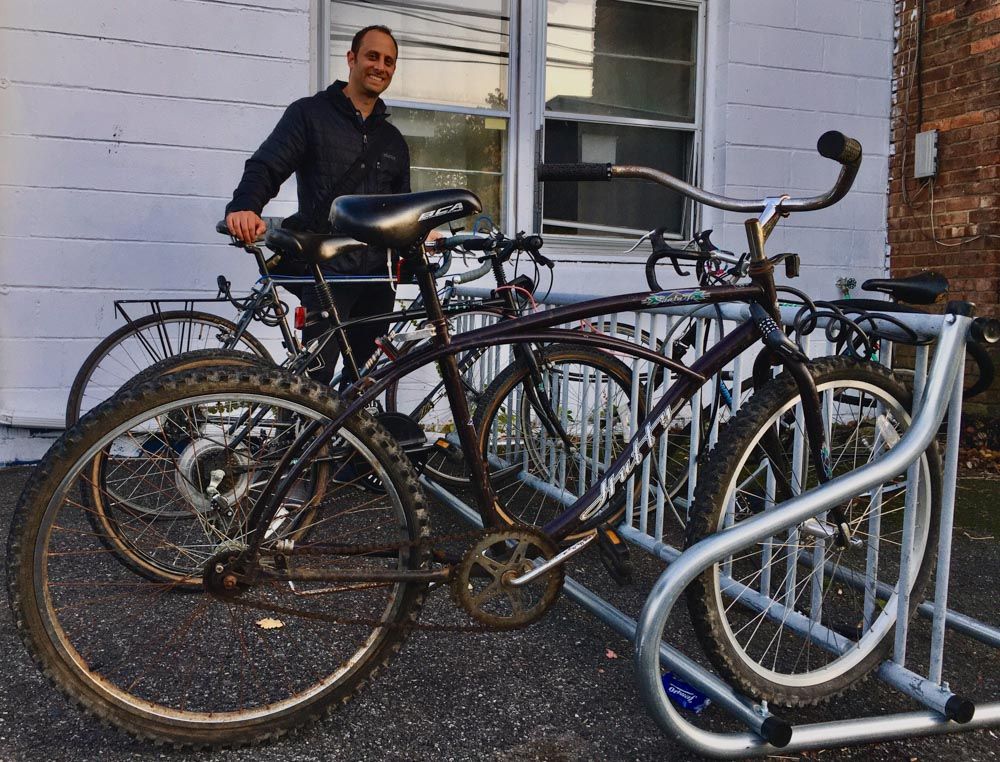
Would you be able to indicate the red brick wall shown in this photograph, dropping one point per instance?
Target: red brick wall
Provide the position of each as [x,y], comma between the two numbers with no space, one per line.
[951,83]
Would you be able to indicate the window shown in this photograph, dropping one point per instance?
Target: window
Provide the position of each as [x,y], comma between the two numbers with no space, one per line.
[485,89]
[449,95]
[621,87]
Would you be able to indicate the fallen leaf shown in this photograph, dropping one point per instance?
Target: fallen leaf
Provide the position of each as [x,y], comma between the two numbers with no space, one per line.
[270,624]
[972,537]
[611,654]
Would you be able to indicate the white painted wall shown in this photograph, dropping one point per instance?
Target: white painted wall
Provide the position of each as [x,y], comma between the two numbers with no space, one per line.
[123,131]
[124,127]
[779,74]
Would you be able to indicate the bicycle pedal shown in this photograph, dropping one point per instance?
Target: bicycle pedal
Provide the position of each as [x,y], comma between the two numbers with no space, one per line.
[450,451]
[615,555]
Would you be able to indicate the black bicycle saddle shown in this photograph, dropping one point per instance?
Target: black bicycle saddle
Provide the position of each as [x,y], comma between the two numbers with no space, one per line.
[311,248]
[922,288]
[399,221]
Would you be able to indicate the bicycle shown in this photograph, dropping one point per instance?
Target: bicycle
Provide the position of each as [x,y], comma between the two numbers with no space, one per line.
[201,669]
[165,341]
[155,338]
[117,504]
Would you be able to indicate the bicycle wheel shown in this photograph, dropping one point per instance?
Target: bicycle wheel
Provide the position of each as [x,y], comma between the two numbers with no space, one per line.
[224,664]
[198,359]
[795,618]
[141,343]
[123,482]
[421,395]
[536,475]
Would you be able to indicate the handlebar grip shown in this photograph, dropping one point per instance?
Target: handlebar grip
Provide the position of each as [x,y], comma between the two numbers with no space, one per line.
[573,172]
[444,266]
[987,371]
[838,147]
[471,275]
[467,241]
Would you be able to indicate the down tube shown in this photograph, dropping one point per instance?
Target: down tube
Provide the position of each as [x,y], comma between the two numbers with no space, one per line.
[598,502]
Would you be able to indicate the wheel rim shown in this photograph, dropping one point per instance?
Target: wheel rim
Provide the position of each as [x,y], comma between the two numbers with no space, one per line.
[192,658]
[536,476]
[762,632]
[149,344]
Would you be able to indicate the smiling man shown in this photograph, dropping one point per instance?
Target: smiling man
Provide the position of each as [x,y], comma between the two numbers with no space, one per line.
[336,142]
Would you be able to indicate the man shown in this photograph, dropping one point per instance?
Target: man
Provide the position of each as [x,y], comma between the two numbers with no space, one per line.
[320,139]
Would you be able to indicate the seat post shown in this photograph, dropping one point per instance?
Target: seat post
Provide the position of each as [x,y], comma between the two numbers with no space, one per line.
[332,316]
[416,261]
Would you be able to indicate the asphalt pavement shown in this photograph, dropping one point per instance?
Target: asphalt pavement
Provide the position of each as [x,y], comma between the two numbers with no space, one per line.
[562,689]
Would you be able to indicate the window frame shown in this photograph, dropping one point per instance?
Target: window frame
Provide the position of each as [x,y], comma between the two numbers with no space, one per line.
[324,77]
[526,115]
[586,247]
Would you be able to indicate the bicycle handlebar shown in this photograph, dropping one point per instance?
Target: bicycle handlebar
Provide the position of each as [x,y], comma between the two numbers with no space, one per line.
[497,248]
[472,275]
[832,145]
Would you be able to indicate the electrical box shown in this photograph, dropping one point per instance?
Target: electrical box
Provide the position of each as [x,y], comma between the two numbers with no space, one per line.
[925,155]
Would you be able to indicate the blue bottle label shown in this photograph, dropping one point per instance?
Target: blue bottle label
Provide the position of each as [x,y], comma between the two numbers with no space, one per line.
[684,695]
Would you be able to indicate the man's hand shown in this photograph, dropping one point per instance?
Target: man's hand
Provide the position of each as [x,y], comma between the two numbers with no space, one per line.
[247,226]
[432,237]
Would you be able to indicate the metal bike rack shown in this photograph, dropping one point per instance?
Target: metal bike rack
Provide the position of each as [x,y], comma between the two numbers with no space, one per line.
[644,524]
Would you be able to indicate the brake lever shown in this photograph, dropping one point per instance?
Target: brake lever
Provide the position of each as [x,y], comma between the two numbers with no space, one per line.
[662,249]
[639,243]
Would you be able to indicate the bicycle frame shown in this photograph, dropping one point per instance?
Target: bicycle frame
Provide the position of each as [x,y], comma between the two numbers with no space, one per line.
[597,503]
[594,506]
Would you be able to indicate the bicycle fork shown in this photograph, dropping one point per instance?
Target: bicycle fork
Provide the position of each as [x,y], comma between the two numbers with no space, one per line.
[796,363]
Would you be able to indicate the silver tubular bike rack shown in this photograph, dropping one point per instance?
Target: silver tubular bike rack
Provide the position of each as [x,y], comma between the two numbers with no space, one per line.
[643,527]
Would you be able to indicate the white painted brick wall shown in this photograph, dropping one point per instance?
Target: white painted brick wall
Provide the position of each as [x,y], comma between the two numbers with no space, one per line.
[123,131]
[805,67]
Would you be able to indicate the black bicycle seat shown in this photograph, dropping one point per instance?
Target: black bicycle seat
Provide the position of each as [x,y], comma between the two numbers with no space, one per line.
[922,288]
[312,248]
[402,220]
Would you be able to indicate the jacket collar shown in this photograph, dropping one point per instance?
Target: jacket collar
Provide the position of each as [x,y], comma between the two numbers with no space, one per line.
[344,104]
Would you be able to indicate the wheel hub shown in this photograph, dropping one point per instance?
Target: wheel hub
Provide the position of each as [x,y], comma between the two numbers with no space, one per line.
[222,575]
[194,469]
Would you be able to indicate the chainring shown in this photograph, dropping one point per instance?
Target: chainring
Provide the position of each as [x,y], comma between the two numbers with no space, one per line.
[482,581]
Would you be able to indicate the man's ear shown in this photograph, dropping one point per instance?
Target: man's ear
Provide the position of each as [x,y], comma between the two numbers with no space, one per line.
[351,59]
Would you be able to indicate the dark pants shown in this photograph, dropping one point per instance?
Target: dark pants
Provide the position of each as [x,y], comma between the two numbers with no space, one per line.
[353,301]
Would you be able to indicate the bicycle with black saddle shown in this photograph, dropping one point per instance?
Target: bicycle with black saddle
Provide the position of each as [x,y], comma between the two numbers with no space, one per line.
[276,627]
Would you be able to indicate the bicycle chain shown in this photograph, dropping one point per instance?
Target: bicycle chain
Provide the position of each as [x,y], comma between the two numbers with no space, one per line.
[322,549]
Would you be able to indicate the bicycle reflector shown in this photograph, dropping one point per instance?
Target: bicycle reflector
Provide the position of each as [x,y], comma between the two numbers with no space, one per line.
[300,318]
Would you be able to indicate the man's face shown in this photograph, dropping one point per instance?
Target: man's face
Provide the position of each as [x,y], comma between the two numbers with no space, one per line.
[372,68]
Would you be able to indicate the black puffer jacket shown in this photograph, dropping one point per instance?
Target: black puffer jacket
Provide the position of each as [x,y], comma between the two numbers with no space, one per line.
[318,138]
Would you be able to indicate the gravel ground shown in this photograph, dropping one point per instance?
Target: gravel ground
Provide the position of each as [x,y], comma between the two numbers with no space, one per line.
[562,689]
